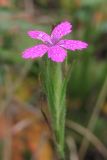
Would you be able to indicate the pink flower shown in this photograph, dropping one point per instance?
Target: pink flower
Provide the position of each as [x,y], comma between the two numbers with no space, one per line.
[52,44]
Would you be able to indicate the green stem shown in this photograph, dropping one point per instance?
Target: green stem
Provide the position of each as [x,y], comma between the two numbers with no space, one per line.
[56,86]
[56,104]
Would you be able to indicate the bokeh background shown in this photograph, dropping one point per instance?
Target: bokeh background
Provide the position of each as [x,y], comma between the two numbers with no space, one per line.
[24,130]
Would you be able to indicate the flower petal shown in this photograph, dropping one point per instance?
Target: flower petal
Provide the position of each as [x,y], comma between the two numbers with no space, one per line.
[35,52]
[57,54]
[73,44]
[39,35]
[61,30]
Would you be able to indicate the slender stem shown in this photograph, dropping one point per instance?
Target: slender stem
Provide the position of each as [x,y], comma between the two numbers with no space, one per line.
[54,83]
[57,80]
[58,124]
[56,86]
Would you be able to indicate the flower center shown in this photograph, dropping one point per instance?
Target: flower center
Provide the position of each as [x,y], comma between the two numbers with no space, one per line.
[53,42]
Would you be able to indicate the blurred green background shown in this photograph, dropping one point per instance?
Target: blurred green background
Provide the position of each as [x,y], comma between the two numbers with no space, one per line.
[20,82]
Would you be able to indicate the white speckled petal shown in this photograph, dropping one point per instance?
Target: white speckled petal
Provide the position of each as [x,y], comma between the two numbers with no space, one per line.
[35,52]
[57,54]
[39,35]
[73,44]
[61,30]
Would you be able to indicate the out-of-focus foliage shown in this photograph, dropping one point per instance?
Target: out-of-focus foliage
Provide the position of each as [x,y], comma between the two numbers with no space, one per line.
[30,140]
[89,19]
